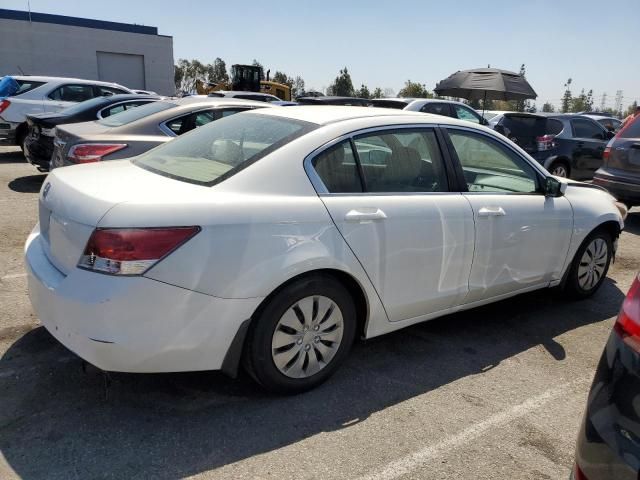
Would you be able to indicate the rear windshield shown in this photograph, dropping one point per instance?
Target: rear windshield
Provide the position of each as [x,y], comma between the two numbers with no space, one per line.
[632,130]
[389,104]
[82,106]
[128,116]
[525,125]
[214,152]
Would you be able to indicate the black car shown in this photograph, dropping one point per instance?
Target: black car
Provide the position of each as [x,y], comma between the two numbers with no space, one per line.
[566,145]
[608,445]
[620,172]
[39,141]
[352,101]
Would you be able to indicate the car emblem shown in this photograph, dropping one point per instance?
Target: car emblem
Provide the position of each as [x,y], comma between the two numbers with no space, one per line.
[46,189]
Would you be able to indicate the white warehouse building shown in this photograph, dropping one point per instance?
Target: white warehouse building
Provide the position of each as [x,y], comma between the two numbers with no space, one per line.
[54,45]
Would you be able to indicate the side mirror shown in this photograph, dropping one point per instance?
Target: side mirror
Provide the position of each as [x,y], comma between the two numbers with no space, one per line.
[553,187]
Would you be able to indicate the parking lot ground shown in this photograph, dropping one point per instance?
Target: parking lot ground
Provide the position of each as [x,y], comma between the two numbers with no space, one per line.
[493,393]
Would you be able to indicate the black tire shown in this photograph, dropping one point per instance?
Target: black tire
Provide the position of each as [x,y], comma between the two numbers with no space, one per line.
[20,139]
[258,360]
[561,168]
[573,287]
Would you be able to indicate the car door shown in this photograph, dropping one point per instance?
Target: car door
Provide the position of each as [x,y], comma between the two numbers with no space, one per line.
[387,191]
[590,141]
[521,236]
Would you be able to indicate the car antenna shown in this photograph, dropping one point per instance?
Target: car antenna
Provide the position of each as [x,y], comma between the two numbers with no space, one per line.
[20,70]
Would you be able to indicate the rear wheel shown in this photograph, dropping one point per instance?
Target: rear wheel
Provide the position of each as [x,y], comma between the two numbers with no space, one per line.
[21,138]
[590,265]
[559,169]
[302,335]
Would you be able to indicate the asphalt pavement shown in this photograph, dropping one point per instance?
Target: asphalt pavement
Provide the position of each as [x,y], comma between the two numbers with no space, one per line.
[493,393]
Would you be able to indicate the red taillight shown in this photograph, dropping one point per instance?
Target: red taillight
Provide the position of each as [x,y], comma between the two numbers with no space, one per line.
[92,152]
[606,153]
[578,474]
[4,104]
[131,251]
[545,142]
[628,323]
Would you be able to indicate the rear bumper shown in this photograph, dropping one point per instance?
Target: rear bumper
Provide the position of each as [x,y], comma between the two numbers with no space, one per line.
[39,152]
[7,132]
[132,324]
[623,188]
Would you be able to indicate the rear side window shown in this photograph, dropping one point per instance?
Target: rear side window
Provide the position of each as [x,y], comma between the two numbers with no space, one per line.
[120,107]
[338,170]
[210,154]
[72,93]
[27,86]
[464,113]
[401,161]
[632,130]
[437,108]
[108,91]
[586,129]
[554,127]
[188,122]
[134,114]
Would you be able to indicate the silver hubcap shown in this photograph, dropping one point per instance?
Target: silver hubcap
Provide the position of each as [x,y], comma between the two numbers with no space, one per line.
[592,264]
[307,337]
[559,171]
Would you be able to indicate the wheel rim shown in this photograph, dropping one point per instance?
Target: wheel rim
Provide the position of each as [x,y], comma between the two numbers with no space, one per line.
[593,264]
[559,171]
[307,337]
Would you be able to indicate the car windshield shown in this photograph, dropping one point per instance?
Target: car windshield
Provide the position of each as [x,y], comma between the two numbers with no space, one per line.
[82,106]
[216,151]
[128,116]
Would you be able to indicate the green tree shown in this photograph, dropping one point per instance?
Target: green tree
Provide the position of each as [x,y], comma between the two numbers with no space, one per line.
[548,107]
[567,97]
[377,93]
[579,103]
[219,71]
[186,72]
[632,108]
[414,90]
[363,92]
[281,77]
[298,87]
[342,86]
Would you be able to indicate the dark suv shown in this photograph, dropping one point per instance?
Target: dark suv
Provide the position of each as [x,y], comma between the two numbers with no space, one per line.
[566,145]
[620,172]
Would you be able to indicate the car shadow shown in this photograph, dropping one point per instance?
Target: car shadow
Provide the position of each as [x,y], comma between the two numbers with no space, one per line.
[57,421]
[15,156]
[27,184]
[632,222]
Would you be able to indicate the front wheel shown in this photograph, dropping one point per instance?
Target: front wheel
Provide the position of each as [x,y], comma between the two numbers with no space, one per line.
[302,335]
[590,265]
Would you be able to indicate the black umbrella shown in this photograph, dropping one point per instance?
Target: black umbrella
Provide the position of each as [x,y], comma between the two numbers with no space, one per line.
[486,83]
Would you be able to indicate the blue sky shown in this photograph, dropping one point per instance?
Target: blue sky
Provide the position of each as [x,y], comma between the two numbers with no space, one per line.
[384,43]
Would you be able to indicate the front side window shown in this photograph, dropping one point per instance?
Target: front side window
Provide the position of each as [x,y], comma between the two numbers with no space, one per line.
[72,93]
[489,166]
[586,129]
[210,154]
[401,161]
[464,113]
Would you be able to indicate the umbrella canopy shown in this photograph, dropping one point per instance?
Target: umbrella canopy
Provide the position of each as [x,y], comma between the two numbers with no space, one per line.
[486,83]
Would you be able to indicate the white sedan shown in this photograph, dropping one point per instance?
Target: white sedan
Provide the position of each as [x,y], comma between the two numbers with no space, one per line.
[271,239]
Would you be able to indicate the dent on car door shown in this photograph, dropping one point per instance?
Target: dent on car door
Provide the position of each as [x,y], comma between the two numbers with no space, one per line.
[522,236]
[387,193]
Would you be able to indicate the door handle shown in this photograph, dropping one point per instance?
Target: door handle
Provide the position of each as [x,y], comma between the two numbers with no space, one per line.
[491,212]
[365,215]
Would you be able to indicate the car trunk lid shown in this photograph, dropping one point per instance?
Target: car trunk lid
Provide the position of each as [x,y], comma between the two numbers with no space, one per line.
[526,130]
[74,199]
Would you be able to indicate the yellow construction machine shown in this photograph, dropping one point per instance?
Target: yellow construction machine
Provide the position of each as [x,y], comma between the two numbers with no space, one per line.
[247,78]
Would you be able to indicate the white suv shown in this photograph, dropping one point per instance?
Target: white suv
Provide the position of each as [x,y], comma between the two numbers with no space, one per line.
[45,94]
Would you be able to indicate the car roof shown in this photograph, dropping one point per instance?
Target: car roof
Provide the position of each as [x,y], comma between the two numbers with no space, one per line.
[327,114]
[37,78]
[222,101]
[242,92]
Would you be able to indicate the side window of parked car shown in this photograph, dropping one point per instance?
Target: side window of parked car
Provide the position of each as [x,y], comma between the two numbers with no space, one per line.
[464,113]
[489,166]
[586,129]
[337,169]
[401,161]
[437,108]
[120,107]
[188,122]
[103,91]
[72,93]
